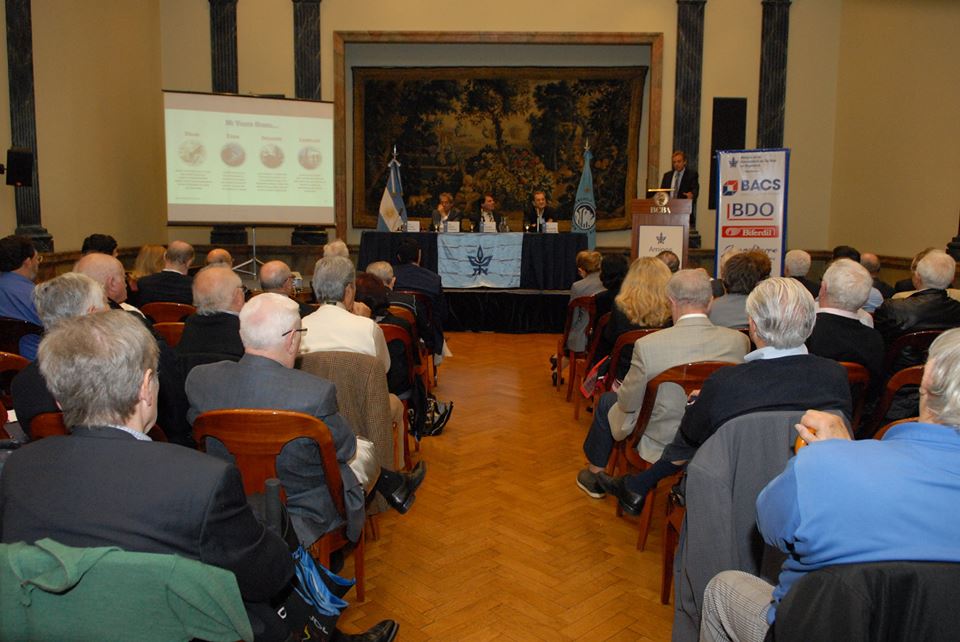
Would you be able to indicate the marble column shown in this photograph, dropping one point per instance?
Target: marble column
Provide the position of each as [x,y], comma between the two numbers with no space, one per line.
[689,81]
[773,73]
[23,119]
[306,56]
[223,61]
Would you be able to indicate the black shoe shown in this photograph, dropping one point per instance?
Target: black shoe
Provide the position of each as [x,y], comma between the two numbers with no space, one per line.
[399,488]
[384,631]
[629,501]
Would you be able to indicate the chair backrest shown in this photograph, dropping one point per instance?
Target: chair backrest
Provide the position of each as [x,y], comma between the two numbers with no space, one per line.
[392,333]
[162,311]
[362,395]
[256,437]
[588,306]
[403,313]
[171,331]
[918,342]
[50,424]
[12,330]
[907,377]
[598,327]
[871,601]
[624,340]
[689,376]
[10,365]
[423,299]
[859,378]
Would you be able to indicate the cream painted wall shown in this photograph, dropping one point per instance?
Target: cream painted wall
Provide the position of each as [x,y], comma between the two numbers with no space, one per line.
[97,90]
[8,212]
[897,158]
[185,54]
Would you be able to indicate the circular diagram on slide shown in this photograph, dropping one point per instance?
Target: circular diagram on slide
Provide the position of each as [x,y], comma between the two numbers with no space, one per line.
[310,157]
[271,156]
[192,152]
[233,154]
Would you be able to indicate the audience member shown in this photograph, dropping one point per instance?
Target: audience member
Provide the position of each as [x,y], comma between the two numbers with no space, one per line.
[929,308]
[671,260]
[64,297]
[641,303]
[613,270]
[742,272]
[779,375]
[852,253]
[539,212]
[589,284]
[276,277]
[172,284]
[334,326]
[108,485]
[839,333]
[336,247]
[384,271]
[149,261]
[19,264]
[872,264]
[102,243]
[410,275]
[219,257]
[716,284]
[444,212]
[796,265]
[108,272]
[824,509]
[270,326]
[213,333]
[907,287]
[692,338]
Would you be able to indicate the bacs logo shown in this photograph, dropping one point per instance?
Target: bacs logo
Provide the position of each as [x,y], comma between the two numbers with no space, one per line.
[763,185]
[737,211]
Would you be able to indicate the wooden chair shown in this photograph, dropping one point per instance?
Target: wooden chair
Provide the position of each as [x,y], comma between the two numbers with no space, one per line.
[671,537]
[10,365]
[883,431]
[426,304]
[162,311]
[690,377]
[584,363]
[859,378]
[171,331]
[919,340]
[12,330]
[255,439]
[582,305]
[50,424]
[623,341]
[422,369]
[401,434]
[907,377]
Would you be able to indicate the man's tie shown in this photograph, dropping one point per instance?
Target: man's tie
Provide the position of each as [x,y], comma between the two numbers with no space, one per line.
[676,185]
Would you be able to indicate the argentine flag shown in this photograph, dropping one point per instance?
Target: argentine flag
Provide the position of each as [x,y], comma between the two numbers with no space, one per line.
[584,207]
[393,213]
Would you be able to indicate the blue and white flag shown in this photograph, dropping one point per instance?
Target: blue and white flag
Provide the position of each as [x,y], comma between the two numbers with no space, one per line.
[480,260]
[584,207]
[393,213]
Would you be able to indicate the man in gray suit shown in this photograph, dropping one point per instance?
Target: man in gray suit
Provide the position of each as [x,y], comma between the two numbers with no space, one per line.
[270,329]
[692,338]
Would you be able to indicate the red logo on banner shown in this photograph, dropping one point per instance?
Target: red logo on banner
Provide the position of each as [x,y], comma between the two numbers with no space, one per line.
[763,231]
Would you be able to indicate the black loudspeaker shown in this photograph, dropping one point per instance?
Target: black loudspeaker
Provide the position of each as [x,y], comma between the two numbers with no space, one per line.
[19,167]
[729,132]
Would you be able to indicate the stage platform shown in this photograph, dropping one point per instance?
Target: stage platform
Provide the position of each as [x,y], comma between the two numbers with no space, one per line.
[512,311]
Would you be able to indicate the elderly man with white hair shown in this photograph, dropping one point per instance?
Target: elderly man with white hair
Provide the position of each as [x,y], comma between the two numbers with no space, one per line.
[778,375]
[215,328]
[929,308]
[108,271]
[839,333]
[824,509]
[277,277]
[796,265]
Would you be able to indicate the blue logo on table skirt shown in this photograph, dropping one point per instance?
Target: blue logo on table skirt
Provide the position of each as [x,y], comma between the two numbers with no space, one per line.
[480,263]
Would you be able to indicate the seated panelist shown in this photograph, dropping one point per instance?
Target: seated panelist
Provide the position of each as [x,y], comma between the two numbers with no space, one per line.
[539,212]
[445,211]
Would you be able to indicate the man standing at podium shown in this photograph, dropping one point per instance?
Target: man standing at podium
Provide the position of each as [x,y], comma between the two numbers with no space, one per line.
[682,182]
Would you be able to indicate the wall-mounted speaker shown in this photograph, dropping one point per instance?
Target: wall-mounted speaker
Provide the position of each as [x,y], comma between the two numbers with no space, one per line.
[19,167]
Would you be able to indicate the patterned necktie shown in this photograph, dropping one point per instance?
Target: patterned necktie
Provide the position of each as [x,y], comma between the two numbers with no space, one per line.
[676,185]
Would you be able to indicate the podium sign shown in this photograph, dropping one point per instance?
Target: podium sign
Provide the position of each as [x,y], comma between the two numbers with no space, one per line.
[659,224]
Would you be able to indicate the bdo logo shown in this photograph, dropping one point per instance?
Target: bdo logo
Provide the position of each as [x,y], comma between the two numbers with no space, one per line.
[730,188]
[749,210]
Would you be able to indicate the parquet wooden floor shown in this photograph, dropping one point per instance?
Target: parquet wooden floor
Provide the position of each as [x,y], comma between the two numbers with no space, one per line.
[501,544]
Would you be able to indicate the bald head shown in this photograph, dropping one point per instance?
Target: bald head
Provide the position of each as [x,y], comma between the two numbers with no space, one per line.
[217,289]
[275,276]
[269,325]
[219,256]
[107,271]
[383,271]
[179,256]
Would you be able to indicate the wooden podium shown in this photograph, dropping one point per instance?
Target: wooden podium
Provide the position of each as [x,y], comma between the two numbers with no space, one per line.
[653,212]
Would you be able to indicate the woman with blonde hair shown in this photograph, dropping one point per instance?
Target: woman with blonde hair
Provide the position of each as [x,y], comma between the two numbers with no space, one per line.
[149,261]
[642,303]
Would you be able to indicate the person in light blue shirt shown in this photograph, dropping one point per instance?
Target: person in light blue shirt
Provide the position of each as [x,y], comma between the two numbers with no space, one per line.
[19,263]
[846,502]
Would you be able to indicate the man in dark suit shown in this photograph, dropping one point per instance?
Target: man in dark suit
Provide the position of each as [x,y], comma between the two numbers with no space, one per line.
[275,276]
[264,378]
[172,283]
[214,331]
[444,212]
[681,181]
[796,265]
[108,484]
[384,271]
[487,213]
[872,263]
[410,276]
[539,212]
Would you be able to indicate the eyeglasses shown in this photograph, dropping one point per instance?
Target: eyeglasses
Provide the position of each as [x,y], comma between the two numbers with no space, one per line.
[300,330]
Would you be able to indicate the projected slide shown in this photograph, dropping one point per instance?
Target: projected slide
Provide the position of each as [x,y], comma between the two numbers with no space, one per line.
[238,159]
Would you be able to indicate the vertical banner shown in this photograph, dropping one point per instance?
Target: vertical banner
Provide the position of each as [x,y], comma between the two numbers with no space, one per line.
[585,207]
[752,202]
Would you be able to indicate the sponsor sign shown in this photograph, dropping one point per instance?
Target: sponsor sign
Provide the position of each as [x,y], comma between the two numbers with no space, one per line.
[752,208]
